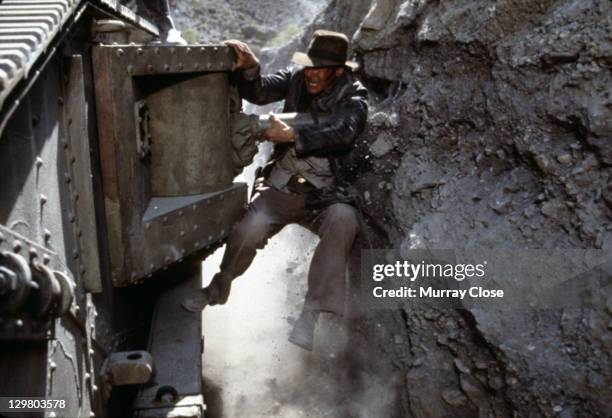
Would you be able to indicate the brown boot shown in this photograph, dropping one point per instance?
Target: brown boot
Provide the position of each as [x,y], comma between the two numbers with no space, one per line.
[198,301]
[216,293]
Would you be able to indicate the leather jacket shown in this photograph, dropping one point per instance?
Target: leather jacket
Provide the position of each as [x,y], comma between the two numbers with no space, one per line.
[346,101]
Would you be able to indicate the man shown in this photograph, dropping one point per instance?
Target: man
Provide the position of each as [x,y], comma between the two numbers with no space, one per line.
[302,169]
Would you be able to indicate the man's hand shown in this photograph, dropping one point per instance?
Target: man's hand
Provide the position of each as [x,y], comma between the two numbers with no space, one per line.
[279,132]
[245,59]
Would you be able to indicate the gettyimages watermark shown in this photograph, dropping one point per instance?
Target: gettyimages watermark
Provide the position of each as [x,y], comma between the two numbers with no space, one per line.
[486,278]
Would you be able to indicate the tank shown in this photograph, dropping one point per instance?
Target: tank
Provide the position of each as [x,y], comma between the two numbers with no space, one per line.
[116,180]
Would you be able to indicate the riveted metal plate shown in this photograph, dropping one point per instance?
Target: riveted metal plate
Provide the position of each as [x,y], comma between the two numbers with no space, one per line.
[157,59]
[141,240]
[79,175]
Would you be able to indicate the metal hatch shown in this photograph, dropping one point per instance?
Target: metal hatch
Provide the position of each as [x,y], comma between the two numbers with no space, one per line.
[165,149]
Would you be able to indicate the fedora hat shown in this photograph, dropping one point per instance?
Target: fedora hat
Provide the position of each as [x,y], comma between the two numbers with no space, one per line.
[326,49]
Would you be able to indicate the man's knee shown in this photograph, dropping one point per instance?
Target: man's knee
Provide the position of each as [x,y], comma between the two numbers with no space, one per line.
[341,216]
[253,229]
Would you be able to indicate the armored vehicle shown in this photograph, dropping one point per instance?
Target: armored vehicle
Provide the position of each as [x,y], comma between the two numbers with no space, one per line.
[116,178]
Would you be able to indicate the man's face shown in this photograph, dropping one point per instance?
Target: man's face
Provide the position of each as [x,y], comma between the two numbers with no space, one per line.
[319,79]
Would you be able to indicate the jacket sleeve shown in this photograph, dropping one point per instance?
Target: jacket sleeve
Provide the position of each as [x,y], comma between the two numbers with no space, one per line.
[261,90]
[336,136]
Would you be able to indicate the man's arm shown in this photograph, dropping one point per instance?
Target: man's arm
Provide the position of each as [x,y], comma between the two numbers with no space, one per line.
[261,90]
[335,136]
[254,87]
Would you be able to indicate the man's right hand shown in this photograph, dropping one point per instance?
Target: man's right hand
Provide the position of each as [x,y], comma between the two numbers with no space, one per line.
[245,59]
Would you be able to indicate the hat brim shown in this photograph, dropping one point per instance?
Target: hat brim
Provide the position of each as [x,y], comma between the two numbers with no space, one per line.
[301,58]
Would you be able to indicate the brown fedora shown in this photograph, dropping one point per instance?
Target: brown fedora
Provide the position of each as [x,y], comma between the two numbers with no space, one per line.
[326,49]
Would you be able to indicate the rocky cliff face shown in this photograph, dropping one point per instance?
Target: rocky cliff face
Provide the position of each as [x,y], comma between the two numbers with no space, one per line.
[491,127]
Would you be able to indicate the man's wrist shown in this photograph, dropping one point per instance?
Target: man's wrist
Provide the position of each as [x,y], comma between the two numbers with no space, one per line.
[251,73]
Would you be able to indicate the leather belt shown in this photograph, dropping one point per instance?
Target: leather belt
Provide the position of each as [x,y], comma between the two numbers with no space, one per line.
[299,185]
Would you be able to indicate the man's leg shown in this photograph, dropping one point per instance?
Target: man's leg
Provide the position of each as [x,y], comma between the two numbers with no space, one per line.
[267,214]
[337,226]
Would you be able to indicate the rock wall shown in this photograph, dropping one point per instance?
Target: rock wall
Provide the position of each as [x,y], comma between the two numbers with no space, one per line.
[491,127]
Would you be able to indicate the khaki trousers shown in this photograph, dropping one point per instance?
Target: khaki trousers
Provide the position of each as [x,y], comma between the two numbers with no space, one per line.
[270,210]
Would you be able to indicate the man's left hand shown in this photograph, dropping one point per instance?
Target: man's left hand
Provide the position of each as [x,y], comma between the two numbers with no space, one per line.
[279,132]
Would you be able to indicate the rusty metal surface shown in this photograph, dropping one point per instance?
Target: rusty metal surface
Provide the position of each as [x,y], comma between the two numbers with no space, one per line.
[176,59]
[139,248]
[78,175]
[178,357]
[189,127]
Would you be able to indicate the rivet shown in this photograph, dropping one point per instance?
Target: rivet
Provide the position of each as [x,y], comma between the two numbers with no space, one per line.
[202,50]
[182,233]
[195,227]
[52,414]
[79,232]
[156,51]
[1,237]
[87,376]
[196,65]
[76,197]
[197,244]
[167,259]
[71,218]
[165,219]
[46,259]
[91,352]
[208,65]
[222,232]
[72,159]
[150,68]
[76,308]
[148,225]
[139,51]
[194,207]
[119,52]
[39,161]
[180,66]
[75,254]
[215,49]
[68,178]
[43,199]
[18,323]
[180,213]
[83,271]
[60,101]
[52,365]
[133,275]
[65,143]
[183,251]
[172,51]
[33,253]
[16,246]
[187,50]
[152,266]
[166,67]
[210,237]
[94,388]
[130,69]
